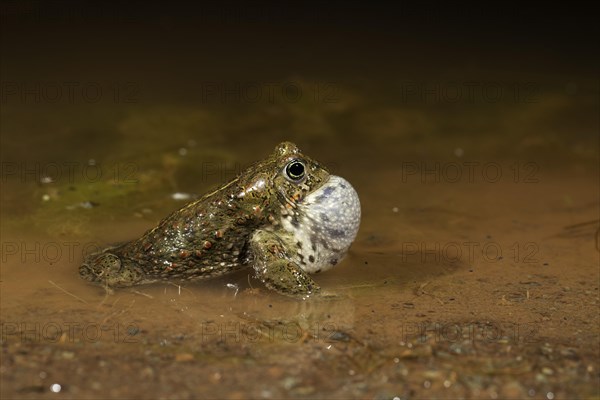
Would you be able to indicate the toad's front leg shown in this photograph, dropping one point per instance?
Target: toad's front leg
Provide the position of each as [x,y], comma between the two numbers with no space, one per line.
[275,268]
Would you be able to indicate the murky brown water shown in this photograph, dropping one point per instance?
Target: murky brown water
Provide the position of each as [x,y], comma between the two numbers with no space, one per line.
[474,274]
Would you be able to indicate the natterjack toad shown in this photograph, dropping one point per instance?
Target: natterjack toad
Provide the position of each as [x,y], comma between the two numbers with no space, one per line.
[285,216]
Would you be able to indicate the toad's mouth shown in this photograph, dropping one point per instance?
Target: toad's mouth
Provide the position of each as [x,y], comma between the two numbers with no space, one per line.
[329,219]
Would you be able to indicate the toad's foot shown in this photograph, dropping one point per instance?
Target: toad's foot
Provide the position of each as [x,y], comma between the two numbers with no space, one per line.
[274,268]
[108,269]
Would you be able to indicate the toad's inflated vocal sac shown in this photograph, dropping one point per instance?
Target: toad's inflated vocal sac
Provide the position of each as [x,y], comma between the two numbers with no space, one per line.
[285,216]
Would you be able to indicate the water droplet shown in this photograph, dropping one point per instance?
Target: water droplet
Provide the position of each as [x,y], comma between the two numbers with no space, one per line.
[181,196]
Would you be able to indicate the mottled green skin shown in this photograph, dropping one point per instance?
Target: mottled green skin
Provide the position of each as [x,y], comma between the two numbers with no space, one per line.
[237,225]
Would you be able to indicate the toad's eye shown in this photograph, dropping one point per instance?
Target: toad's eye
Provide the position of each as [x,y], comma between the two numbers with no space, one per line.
[295,170]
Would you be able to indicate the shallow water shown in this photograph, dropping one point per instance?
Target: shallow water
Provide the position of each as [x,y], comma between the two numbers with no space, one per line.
[474,273]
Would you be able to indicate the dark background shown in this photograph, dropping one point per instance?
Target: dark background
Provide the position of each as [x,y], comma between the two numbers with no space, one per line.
[262,38]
